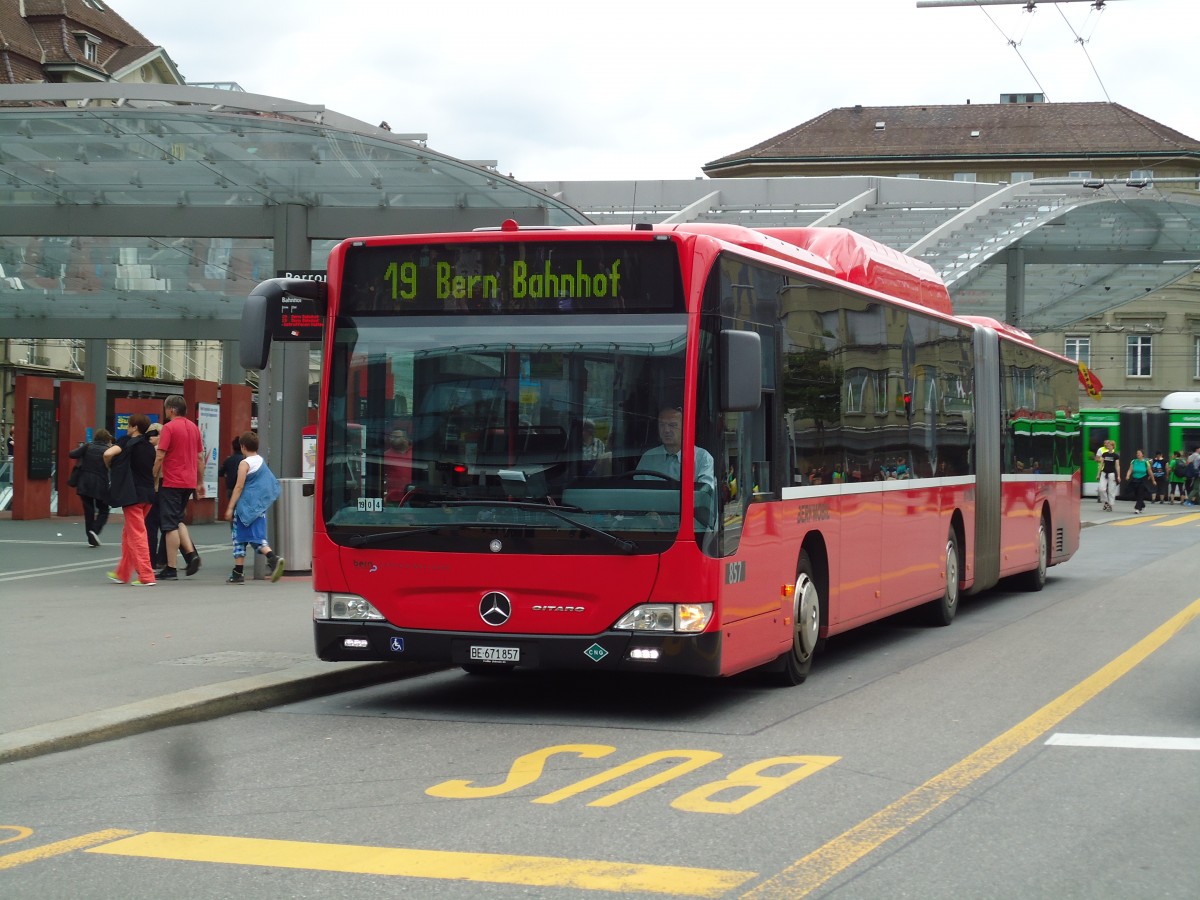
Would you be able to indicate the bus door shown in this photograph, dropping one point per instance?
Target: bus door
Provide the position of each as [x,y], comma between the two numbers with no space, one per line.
[1097,426]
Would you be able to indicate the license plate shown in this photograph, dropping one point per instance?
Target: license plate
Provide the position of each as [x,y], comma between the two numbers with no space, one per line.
[496,654]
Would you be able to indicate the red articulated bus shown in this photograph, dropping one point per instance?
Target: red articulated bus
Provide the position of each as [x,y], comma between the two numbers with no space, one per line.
[685,449]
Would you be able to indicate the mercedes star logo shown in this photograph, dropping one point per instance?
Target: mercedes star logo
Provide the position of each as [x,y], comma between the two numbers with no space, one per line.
[495,608]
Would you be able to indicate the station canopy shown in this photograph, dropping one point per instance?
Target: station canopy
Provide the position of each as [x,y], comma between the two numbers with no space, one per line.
[129,205]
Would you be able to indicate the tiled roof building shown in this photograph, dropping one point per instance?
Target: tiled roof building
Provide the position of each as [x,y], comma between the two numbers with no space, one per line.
[57,41]
[992,141]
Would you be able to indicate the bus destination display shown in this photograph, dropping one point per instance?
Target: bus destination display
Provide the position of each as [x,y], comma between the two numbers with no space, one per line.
[512,278]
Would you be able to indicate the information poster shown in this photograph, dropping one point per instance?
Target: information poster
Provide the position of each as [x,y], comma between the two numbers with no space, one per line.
[208,417]
[121,423]
[41,438]
[308,457]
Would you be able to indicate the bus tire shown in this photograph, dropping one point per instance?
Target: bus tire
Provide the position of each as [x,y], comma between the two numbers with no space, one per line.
[795,665]
[1035,579]
[941,611]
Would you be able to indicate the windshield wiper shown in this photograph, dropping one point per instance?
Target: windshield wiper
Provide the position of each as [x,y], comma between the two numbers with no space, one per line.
[620,543]
[380,537]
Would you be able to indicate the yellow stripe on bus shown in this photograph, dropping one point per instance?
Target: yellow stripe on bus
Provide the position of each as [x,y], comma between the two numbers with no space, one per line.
[535,871]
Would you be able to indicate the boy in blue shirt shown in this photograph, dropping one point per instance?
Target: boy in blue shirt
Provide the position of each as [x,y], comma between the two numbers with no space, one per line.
[256,489]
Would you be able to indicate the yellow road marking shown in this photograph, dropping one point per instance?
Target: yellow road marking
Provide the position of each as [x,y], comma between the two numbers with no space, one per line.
[811,872]
[11,860]
[21,833]
[537,871]
[1137,520]
[1185,519]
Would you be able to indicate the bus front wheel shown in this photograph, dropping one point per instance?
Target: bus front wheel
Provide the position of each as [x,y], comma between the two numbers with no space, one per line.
[806,625]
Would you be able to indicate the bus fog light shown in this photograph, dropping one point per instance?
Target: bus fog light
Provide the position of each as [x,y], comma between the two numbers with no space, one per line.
[356,643]
[351,606]
[692,618]
[650,653]
[649,617]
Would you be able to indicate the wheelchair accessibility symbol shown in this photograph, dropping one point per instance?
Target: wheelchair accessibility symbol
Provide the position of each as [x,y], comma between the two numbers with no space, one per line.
[397,645]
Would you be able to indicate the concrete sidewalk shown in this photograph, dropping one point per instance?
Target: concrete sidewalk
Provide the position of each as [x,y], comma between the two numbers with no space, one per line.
[84,660]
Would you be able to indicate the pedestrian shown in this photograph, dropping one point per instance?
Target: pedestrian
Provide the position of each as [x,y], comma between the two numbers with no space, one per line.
[1193,479]
[1110,474]
[1158,469]
[256,489]
[92,483]
[1178,477]
[228,470]
[179,463]
[1140,478]
[1099,456]
[155,539]
[229,465]
[131,487]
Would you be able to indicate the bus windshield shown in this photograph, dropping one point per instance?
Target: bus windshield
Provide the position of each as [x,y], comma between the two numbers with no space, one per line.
[452,432]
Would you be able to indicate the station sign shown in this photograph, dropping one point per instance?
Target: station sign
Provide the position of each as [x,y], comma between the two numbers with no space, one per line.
[299,318]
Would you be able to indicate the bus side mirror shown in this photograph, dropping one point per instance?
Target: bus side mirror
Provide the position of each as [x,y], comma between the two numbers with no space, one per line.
[741,371]
[254,346]
[266,314]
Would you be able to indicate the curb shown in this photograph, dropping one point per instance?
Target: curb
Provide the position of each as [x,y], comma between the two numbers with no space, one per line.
[199,704]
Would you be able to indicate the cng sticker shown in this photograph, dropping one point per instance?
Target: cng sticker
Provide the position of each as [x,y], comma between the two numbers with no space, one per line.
[595,653]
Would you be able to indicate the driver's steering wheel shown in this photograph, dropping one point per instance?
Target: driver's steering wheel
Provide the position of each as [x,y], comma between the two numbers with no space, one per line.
[652,474]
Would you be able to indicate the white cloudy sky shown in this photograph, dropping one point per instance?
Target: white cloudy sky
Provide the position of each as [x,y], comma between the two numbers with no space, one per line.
[615,89]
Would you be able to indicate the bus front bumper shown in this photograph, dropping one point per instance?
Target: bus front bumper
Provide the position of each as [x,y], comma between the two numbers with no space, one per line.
[616,651]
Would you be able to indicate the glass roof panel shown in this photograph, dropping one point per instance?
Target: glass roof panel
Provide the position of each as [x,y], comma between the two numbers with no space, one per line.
[152,152]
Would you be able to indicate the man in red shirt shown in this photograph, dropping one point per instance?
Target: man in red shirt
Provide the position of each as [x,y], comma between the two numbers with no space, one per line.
[179,462]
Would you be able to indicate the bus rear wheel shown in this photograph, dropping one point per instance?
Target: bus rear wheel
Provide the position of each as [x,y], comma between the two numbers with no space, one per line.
[943,610]
[1035,579]
[806,625]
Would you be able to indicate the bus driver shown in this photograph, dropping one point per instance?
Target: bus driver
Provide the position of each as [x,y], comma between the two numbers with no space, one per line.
[666,459]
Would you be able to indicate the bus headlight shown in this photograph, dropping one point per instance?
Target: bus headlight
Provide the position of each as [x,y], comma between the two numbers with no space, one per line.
[690,618]
[344,606]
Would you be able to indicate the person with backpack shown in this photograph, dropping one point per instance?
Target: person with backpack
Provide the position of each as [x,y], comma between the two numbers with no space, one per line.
[1178,478]
[1192,473]
[1158,468]
[1138,474]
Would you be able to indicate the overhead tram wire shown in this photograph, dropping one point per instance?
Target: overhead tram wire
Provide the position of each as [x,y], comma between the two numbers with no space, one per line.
[1016,45]
[1083,42]
[1030,7]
